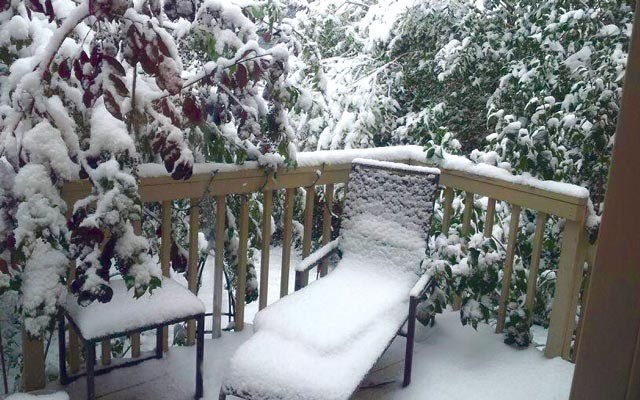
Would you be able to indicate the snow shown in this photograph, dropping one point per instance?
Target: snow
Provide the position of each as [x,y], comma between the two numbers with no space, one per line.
[444,354]
[417,289]
[108,134]
[392,153]
[479,359]
[314,257]
[169,302]
[44,145]
[396,166]
[50,396]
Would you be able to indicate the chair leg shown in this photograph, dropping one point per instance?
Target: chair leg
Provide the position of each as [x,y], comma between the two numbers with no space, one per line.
[62,350]
[90,359]
[199,356]
[159,341]
[411,332]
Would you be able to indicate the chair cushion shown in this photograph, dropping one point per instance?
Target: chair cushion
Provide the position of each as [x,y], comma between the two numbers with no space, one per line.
[271,366]
[331,313]
[125,313]
[320,342]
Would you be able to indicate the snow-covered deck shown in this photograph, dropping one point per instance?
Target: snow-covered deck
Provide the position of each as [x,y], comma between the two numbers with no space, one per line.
[450,362]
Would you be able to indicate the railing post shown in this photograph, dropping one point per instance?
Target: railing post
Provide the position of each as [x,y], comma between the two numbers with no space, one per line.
[326,224]
[488,221]
[165,257]
[565,301]
[448,210]
[242,263]
[508,268]
[33,363]
[221,211]
[135,337]
[536,249]
[265,248]
[286,240]
[466,215]
[192,274]
[302,278]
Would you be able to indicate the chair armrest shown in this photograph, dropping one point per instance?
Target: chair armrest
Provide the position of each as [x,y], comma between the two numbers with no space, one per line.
[425,281]
[318,256]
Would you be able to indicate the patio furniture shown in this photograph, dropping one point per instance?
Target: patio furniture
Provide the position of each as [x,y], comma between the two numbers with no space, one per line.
[124,315]
[321,341]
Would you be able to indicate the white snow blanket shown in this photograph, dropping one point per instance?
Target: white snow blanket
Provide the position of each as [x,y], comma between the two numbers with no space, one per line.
[320,342]
[124,312]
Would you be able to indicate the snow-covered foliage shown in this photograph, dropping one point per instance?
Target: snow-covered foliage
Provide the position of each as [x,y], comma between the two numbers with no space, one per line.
[528,87]
[88,90]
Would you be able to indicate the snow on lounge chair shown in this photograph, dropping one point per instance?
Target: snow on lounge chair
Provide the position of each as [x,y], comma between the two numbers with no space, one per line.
[169,304]
[321,341]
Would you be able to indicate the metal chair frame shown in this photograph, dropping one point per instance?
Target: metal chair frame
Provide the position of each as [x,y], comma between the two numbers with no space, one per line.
[91,370]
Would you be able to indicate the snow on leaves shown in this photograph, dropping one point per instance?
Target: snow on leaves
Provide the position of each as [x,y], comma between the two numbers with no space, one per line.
[97,86]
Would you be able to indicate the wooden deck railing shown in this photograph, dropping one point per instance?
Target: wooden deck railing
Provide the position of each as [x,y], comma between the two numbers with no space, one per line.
[315,170]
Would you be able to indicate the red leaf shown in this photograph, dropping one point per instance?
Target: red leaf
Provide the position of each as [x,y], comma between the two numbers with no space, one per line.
[164,49]
[87,99]
[64,70]
[242,77]
[112,105]
[119,85]
[96,56]
[256,74]
[115,64]
[84,57]
[49,10]
[192,110]
[77,69]
[167,108]
[36,6]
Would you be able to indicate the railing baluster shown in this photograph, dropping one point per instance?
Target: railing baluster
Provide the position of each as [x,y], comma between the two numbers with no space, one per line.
[302,278]
[242,263]
[565,301]
[488,222]
[286,240]
[466,228]
[583,298]
[135,337]
[536,249]
[448,210]
[466,216]
[508,268]
[192,272]
[326,224]
[74,340]
[267,205]
[221,212]
[105,345]
[165,257]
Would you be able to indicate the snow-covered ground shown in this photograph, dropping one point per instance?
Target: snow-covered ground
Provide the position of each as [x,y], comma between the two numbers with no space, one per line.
[450,362]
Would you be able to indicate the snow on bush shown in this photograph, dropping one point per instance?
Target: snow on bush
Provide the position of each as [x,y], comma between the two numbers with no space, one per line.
[89,90]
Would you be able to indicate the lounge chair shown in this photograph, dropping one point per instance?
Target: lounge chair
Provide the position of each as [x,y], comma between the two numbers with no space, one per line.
[321,341]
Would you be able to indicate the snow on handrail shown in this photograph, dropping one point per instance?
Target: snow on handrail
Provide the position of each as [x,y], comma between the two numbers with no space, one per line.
[410,153]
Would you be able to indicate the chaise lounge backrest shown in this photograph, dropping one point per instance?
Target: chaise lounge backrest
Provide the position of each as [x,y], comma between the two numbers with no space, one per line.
[388,213]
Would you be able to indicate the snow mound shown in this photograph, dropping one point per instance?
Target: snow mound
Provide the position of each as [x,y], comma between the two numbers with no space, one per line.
[124,312]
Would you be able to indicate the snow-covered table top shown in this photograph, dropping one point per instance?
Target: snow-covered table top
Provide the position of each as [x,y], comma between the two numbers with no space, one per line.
[125,313]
